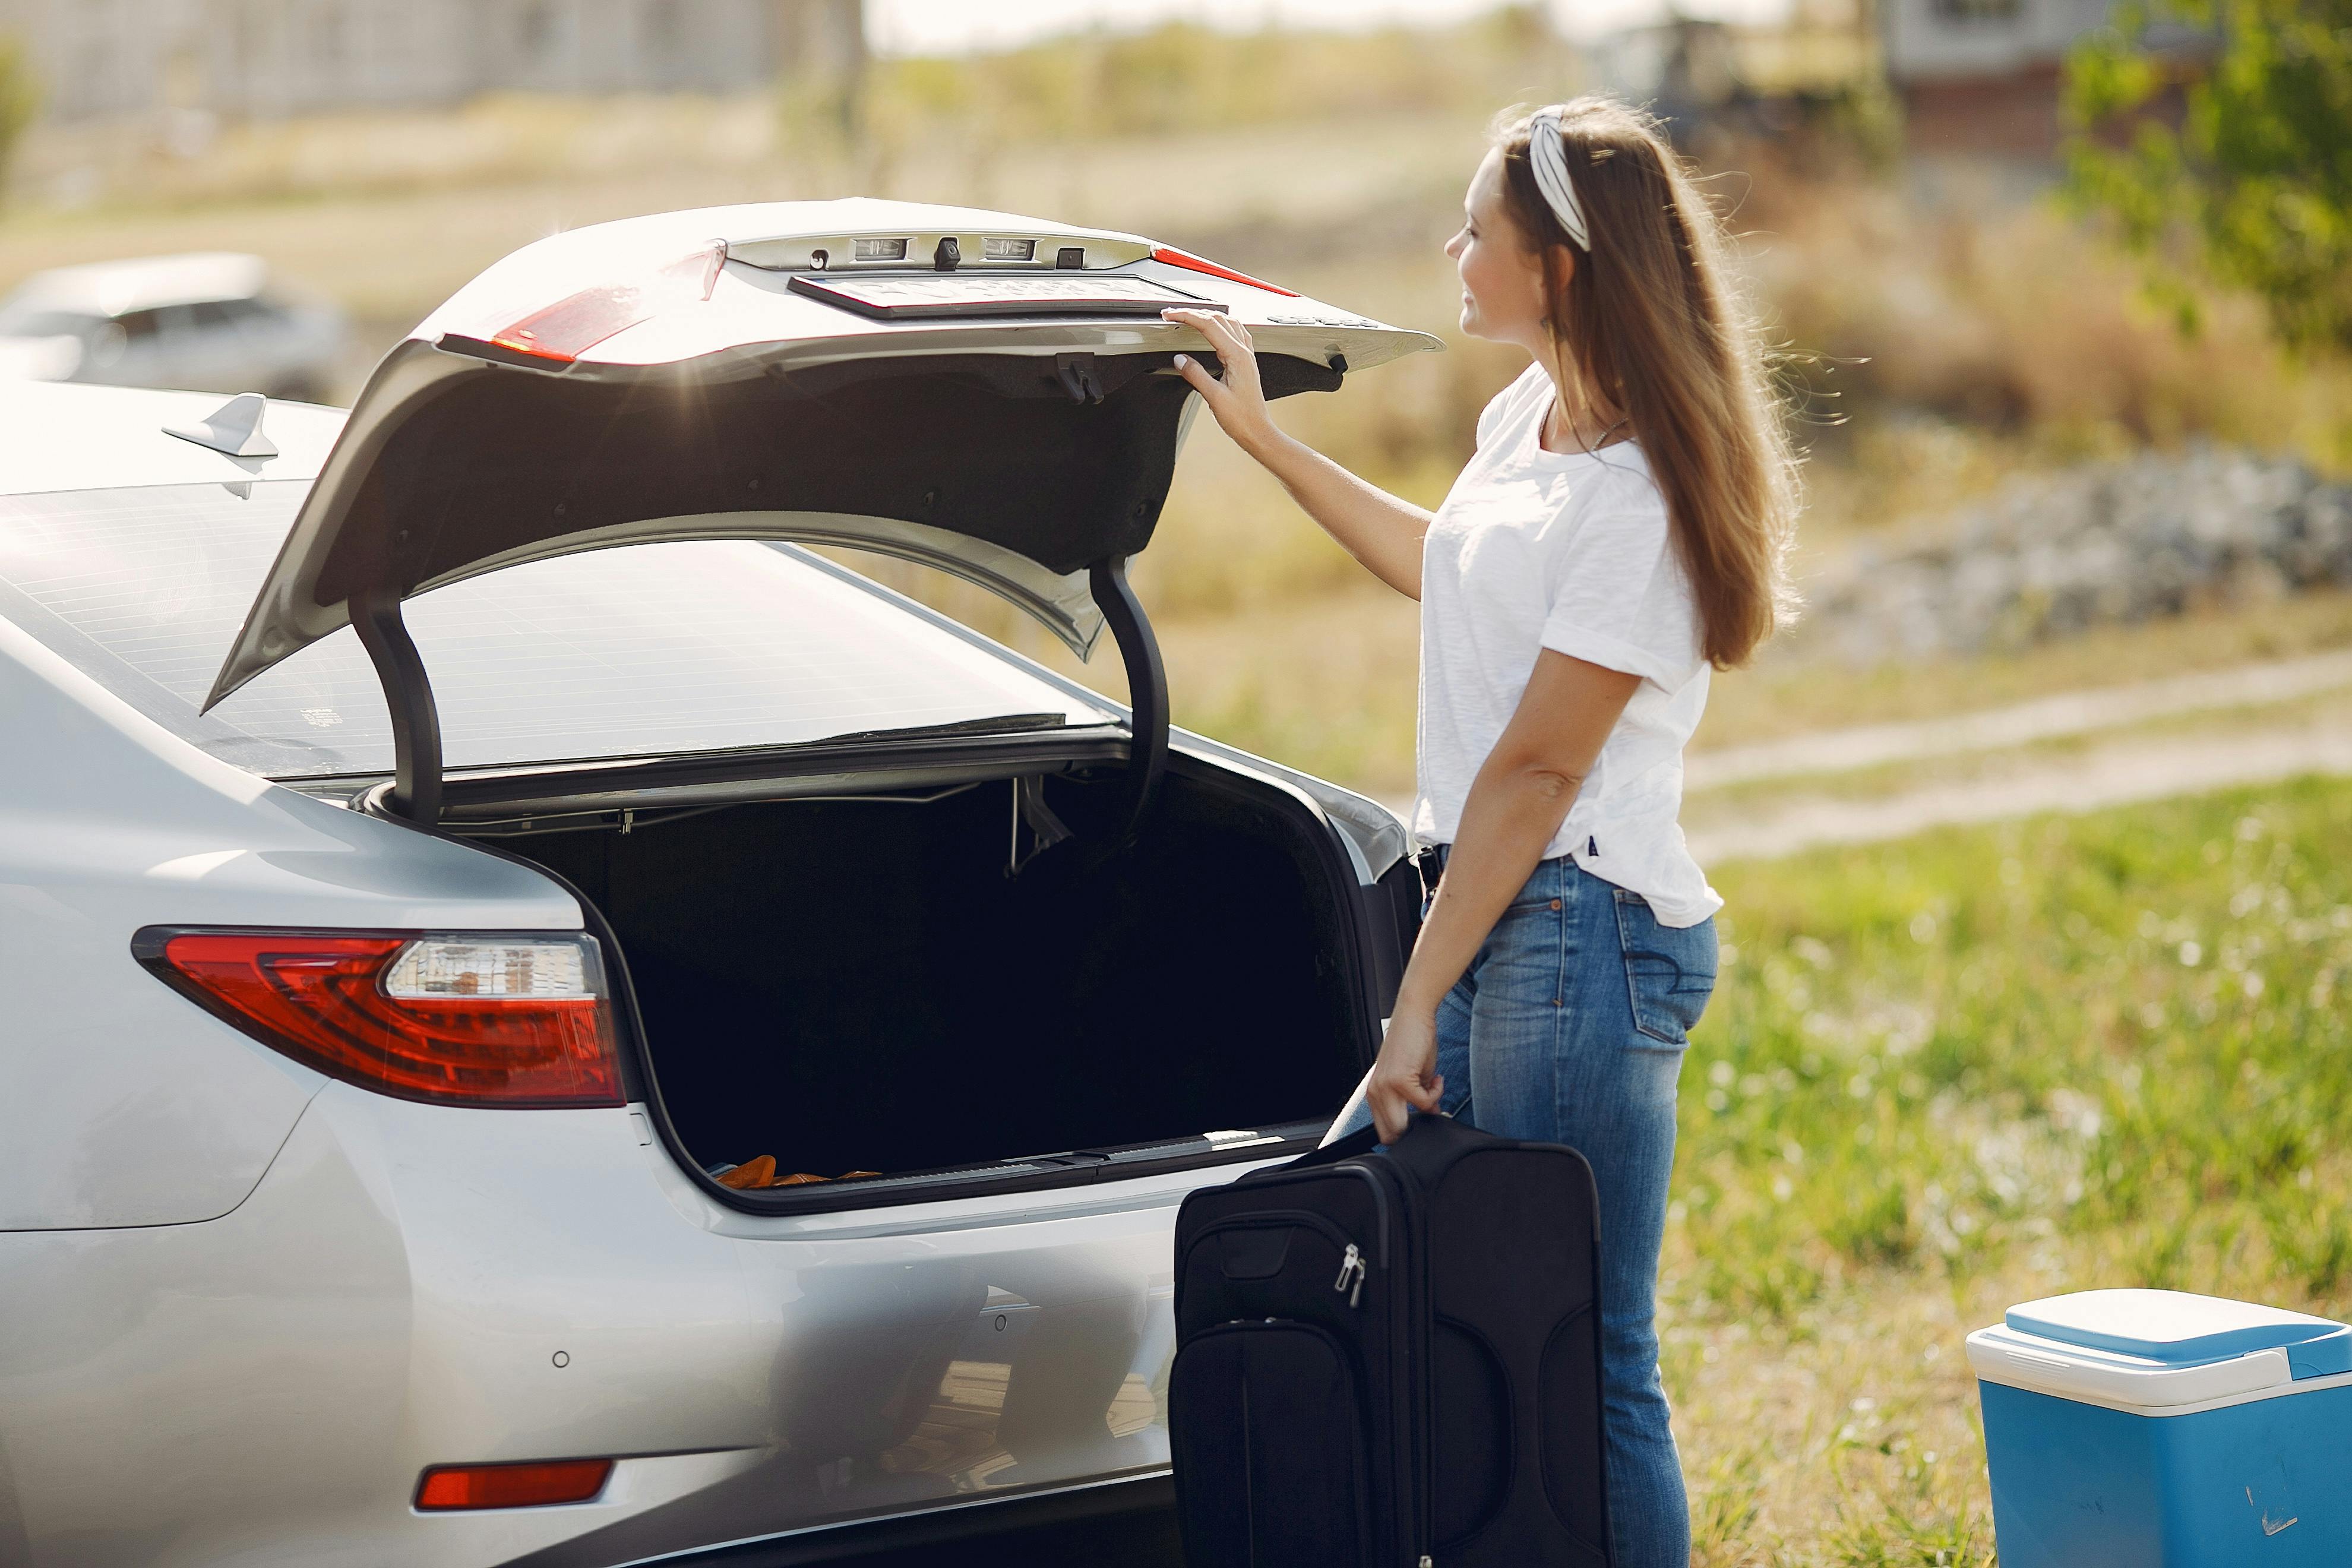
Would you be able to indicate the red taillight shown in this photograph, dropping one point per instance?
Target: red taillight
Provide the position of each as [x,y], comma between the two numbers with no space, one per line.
[463,1020]
[534,1485]
[1185,259]
[571,327]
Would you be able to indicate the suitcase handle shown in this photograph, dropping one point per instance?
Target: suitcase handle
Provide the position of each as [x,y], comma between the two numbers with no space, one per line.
[1363,1140]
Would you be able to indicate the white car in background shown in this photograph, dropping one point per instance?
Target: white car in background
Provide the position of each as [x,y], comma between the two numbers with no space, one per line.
[210,320]
[443,848]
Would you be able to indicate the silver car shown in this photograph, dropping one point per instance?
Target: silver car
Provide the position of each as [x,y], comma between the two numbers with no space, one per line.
[460,862]
[211,321]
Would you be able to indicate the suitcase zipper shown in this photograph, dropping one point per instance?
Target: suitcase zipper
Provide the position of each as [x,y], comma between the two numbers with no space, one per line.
[1274,1219]
[1379,1209]
[1351,1265]
[1344,1168]
[1412,1283]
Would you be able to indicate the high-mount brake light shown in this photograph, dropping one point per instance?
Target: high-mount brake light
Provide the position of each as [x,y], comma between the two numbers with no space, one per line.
[490,1020]
[535,1484]
[1185,259]
[564,331]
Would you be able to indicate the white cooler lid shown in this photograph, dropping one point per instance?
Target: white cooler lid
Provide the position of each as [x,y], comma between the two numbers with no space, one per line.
[2155,1349]
[2170,1326]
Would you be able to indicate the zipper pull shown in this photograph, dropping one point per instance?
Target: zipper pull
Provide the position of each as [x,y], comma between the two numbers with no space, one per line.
[1353,1263]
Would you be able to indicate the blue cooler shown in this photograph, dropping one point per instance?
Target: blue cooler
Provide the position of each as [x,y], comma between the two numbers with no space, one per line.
[2156,1429]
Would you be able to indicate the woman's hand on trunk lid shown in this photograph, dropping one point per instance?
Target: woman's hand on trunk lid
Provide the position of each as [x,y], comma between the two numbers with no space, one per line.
[1382,531]
[1238,401]
[1404,1077]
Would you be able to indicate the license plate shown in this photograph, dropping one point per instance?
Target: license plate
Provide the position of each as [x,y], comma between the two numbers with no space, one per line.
[948,294]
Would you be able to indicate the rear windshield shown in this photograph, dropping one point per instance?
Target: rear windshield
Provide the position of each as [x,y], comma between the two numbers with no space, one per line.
[646,650]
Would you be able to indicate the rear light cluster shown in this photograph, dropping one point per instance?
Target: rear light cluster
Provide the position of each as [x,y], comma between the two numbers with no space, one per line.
[1170,255]
[571,327]
[515,1021]
[444,1488]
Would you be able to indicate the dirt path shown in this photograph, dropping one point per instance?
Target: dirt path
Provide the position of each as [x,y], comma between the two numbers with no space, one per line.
[1996,729]
[2246,749]
[2112,772]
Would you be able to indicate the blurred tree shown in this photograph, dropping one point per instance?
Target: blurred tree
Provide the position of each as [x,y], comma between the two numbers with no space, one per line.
[2253,183]
[20,97]
[821,89]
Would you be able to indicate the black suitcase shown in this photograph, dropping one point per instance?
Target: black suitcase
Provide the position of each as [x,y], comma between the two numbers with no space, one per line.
[1393,1360]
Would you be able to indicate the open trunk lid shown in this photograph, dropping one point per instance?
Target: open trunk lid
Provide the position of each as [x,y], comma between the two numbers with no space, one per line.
[988,394]
[733,373]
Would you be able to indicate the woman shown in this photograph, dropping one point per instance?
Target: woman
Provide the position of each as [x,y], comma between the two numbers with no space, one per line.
[1619,533]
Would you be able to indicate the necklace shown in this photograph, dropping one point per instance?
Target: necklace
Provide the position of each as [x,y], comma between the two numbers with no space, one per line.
[1565,434]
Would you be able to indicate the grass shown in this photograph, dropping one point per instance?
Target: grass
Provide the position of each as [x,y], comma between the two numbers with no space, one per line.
[1944,1075]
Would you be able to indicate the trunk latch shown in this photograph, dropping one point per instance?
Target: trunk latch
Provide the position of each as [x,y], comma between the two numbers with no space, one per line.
[1079,377]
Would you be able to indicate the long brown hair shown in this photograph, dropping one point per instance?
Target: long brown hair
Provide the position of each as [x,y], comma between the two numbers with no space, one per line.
[1647,318]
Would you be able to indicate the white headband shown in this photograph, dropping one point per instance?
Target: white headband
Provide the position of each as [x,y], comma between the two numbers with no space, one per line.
[1548,155]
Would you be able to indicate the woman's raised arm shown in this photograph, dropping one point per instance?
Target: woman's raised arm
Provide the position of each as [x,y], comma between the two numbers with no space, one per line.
[1378,529]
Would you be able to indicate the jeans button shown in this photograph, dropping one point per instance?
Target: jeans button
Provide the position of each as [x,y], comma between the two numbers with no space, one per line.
[1555,903]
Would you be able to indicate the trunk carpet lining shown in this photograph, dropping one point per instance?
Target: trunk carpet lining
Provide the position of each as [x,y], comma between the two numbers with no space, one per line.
[855,986]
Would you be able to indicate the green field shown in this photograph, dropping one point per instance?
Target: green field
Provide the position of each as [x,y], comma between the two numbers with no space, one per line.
[1944,1075]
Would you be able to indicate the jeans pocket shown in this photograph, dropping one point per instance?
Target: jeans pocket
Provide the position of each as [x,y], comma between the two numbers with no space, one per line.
[1544,892]
[1669,969]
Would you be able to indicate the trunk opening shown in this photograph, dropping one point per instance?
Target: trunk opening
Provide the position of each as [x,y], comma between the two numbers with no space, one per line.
[855,984]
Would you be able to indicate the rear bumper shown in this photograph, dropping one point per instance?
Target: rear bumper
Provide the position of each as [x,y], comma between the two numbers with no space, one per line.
[415,1285]
[1131,1522]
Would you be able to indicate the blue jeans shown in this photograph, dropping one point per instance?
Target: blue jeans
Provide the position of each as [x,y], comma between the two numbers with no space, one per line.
[1570,1028]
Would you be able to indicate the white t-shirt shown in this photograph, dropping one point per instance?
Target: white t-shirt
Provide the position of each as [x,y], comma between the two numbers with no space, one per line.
[1532,549]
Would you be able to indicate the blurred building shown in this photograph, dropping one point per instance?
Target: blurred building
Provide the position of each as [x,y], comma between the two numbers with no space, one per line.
[1984,76]
[1701,76]
[265,58]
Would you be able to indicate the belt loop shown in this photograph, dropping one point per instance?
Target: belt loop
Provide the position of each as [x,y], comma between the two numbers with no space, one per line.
[1430,863]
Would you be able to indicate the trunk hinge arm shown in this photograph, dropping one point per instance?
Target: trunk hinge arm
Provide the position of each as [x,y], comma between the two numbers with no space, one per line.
[415,791]
[1147,684]
[415,720]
